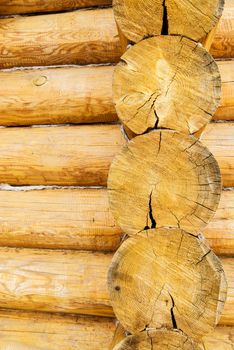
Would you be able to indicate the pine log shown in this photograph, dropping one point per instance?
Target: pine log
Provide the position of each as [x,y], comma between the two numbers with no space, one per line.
[223,149]
[40,96]
[58,155]
[80,37]
[158,340]
[56,96]
[40,331]
[69,282]
[64,218]
[223,45]
[163,192]
[81,155]
[8,7]
[193,20]
[226,109]
[81,219]
[160,283]
[167,71]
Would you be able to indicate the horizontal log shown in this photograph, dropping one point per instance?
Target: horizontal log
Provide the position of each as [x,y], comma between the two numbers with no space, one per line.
[38,331]
[69,282]
[223,45]
[76,95]
[218,137]
[8,7]
[58,155]
[80,37]
[226,109]
[81,219]
[81,155]
[34,331]
[56,96]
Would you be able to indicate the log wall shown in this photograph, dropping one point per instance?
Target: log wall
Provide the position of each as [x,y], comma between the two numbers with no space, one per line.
[81,155]
[76,95]
[81,219]
[69,282]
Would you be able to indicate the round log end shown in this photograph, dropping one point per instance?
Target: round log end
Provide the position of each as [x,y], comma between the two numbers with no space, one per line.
[167,278]
[157,340]
[164,179]
[166,82]
[145,18]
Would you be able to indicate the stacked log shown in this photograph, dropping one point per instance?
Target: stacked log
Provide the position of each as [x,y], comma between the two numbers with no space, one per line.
[70,281]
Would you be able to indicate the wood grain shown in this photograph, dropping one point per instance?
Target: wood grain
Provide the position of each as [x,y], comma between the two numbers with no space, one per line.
[76,95]
[56,96]
[157,276]
[69,282]
[81,155]
[223,45]
[219,139]
[81,219]
[80,37]
[58,155]
[40,331]
[8,7]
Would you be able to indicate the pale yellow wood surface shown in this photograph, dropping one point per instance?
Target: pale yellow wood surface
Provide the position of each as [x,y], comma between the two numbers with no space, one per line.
[162,339]
[76,95]
[66,219]
[56,96]
[165,179]
[157,84]
[37,331]
[223,45]
[69,282]
[226,109]
[79,37]
[67,155]
[81,219]
[81,155]
[219,138]
[190,19]
[30,6]
[157,276]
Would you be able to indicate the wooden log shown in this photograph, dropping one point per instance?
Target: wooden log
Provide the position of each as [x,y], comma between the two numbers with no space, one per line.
[38,331]
[81,219]
[167,71]
[158,340]
[85,98]
[65,218]
[160,283]
[58,155]
[56,96]
[226,109]
[69,282]
[70,38]
[223,45]
[8,7]
[223,149]
[162,192]
[151,18]
[81,155]
[41,331]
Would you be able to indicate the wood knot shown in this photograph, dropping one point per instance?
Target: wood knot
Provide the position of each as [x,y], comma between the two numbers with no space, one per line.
[40,80]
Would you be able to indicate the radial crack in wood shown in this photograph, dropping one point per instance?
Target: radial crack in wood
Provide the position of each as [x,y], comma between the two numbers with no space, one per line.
[167,278]
[164,179]
[157,340]
[166,82]
[145,18]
